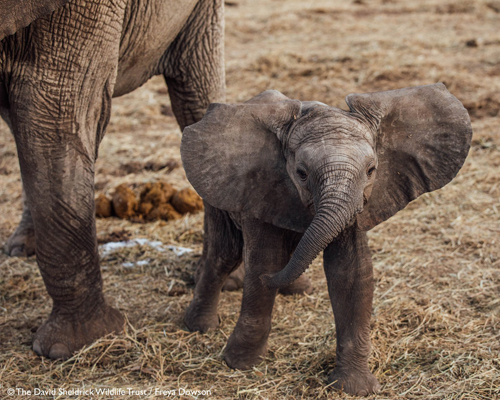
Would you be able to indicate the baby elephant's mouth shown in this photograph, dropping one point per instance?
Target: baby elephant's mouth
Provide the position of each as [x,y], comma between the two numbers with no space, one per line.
[311,208]
[352,221]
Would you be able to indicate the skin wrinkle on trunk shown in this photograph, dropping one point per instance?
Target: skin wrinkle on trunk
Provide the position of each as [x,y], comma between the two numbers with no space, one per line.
[334,212]
[319,234]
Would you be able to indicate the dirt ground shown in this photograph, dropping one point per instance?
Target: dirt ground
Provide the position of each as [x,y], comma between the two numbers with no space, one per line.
[436,315]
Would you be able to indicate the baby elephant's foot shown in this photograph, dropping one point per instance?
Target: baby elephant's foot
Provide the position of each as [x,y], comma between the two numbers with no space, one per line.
[200,318]
[244,353]
[357,383]
[60,337]
[301,285]
[22,241]
[235,280]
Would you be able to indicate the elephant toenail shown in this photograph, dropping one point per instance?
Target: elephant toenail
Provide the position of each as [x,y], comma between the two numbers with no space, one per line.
[59,351]
[37,348]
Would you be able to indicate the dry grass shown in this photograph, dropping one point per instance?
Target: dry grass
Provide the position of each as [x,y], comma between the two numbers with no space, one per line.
[436,319]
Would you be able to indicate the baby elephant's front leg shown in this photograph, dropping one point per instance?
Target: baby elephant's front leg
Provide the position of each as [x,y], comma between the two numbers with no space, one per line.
[267,250]
[349,272]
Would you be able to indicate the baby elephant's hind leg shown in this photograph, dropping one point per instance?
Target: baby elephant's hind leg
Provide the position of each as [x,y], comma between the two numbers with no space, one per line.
[222,253]
[235,279]
[301,285]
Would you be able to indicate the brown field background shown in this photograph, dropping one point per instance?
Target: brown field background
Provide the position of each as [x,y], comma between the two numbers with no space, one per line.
[436,315]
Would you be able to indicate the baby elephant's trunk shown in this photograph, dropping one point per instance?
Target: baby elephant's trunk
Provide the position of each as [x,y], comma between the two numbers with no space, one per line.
[337,206]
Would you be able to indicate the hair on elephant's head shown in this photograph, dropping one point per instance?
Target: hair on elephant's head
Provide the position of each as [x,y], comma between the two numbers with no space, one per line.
[316,169]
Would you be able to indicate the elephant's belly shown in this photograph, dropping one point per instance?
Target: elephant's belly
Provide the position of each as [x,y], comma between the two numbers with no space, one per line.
[149,28]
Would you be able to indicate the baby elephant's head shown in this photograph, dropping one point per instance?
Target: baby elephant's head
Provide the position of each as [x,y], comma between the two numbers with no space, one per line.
[316,169]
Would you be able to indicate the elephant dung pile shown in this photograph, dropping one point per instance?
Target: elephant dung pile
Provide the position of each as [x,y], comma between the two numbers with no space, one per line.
[159,200]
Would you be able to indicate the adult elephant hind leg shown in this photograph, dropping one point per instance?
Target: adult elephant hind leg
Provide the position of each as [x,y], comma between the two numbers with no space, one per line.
[349,273]
[193,66]
[222,253]
[267,250]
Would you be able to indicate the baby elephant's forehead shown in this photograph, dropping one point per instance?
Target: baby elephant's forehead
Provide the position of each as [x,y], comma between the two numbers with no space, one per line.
[330,126]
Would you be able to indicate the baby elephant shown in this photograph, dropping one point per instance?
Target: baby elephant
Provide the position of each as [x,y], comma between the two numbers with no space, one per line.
[283,180]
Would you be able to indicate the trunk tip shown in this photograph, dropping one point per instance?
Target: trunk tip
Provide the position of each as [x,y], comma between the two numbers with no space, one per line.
[268,280]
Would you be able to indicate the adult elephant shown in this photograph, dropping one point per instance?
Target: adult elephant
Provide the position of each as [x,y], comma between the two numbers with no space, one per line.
[61,62]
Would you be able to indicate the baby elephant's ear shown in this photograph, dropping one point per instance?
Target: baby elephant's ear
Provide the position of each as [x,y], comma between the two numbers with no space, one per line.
[234,160]
[423,135]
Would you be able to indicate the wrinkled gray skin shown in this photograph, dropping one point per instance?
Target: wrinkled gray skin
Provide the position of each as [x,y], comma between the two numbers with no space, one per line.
[61,62]
[283,176]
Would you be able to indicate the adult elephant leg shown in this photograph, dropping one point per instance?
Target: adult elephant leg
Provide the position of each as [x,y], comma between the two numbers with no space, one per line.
[58,177]
[193,65]
[193,68]
[267,250]
[22,242]
[222,252]
[349,273]
[59,106]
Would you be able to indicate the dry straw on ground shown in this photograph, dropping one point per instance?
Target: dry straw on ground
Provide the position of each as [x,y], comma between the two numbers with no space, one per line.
[436,315]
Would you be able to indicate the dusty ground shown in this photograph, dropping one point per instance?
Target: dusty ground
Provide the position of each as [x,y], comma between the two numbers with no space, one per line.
[436,318]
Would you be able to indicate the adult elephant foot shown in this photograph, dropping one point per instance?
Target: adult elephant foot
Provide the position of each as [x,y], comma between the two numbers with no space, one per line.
[60,336]
[22,241]
[300,286]
[356,383]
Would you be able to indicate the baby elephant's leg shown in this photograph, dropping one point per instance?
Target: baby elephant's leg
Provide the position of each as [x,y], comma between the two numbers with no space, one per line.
[349,274]
[235,279]
[222,252]
[267,250]
[301,285]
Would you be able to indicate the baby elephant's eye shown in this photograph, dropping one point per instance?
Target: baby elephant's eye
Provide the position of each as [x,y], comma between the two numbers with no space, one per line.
[302,174]
[370,171]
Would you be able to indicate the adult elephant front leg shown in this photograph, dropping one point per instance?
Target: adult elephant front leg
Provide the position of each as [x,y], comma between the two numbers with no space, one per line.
[349,273]
[22,241]
[58,177]
[59,108]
